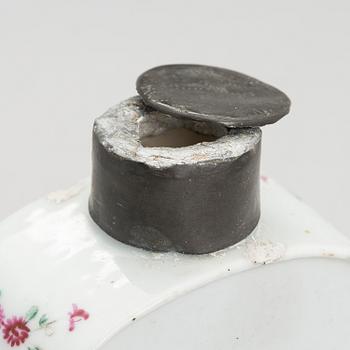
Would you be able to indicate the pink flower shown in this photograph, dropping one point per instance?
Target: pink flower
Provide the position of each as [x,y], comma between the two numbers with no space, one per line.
[2,316]
[15,331]
[76,316]
[264,178]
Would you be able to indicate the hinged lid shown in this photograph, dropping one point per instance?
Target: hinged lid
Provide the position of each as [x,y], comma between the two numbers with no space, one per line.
[214,94]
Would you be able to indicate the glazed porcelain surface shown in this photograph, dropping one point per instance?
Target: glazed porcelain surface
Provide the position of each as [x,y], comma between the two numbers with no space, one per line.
[65,284]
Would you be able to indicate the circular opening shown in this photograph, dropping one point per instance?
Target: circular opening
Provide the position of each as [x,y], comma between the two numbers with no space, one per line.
[179,137]
[133,131]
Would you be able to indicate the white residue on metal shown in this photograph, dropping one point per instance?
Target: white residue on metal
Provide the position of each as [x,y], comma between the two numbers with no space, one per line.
[61,196]
[263,251]
[122,127]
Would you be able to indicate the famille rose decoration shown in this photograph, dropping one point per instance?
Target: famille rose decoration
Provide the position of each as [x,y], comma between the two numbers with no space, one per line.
[16,330]
[176,241]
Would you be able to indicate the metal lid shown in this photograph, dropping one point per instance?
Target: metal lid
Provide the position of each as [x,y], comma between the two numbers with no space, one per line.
[213,94]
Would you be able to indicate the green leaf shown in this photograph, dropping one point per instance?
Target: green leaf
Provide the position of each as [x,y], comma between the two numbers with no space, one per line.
[32,312]
[43,320]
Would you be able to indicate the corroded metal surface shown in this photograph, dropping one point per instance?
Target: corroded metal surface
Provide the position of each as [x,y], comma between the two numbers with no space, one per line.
[196,199]
[212,94]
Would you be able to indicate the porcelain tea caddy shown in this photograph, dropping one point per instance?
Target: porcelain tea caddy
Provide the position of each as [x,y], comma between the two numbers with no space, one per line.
[176,241]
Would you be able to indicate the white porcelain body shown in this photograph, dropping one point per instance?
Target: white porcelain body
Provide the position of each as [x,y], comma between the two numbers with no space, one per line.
[263,293]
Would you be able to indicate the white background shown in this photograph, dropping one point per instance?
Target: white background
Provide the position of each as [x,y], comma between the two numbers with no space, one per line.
[63,63]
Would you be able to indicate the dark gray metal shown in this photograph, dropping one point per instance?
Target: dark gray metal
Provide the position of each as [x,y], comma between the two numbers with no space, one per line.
[198,208]
[213,94]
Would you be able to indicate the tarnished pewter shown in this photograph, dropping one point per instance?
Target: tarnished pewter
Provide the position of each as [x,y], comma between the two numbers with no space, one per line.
[177,168]
[213,94]
[196,199]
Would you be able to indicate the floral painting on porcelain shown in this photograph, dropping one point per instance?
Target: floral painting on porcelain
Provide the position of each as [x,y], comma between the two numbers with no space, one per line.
[16,329]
